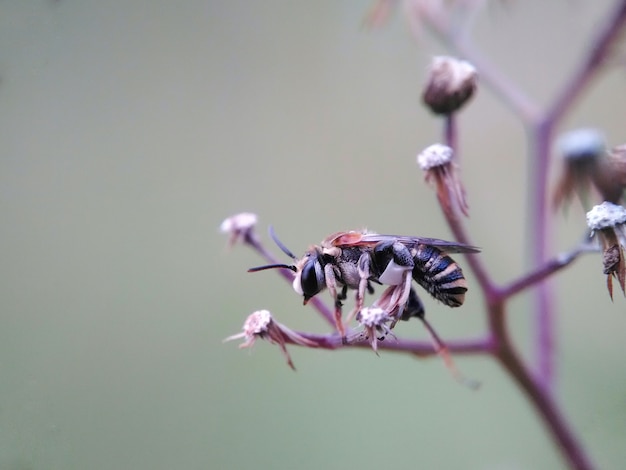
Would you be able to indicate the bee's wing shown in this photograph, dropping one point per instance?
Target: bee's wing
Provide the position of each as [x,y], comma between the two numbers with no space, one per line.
[448,247]
[346,239]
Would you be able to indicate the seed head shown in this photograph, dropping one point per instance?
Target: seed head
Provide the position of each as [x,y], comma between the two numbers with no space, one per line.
[451,83]
[441,172]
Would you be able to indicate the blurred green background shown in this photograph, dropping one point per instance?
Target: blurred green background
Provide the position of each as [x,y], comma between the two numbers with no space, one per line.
[130,130]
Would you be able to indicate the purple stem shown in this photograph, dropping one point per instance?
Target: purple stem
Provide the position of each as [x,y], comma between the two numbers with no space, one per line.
[541,129]
[450,133]
[549,268]
[419,348]
[544,321]
[541,134]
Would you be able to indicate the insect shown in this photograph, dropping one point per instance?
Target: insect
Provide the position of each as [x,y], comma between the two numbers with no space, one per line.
[357,259]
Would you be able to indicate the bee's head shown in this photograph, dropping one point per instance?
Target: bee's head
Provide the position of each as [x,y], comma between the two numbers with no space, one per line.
[309,279]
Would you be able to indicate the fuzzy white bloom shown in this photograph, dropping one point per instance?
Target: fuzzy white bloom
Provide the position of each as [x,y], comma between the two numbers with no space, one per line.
[256,324]
[372,316]
[606,215]
[239,227]
[433,156]
[581,144]
[457,71]
[239,222]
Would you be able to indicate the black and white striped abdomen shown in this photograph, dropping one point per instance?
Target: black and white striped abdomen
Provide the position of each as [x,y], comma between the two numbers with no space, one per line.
[439,275]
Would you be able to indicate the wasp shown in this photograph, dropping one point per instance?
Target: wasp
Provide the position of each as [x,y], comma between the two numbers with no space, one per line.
[358,259]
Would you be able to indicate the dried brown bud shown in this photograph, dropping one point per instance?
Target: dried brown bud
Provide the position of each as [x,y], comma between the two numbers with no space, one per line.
[582,152]
[451,83]
[586,164]
[608,222]
[441,172]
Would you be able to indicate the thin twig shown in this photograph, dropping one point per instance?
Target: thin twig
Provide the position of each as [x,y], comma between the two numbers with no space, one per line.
[418,348]
[549,268]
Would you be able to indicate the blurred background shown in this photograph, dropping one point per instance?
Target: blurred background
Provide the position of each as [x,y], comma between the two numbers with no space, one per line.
[130,130]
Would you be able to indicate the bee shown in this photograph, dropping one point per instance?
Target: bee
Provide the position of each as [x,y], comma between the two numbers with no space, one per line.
[358,259]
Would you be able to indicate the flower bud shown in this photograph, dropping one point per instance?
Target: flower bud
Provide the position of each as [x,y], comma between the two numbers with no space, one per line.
[586,164]
[451,83]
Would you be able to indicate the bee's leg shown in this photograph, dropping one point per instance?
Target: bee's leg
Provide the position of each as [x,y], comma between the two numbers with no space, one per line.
[363,266]
[343,294]
[400,296]
[398,264]
[414,307]
[331,283]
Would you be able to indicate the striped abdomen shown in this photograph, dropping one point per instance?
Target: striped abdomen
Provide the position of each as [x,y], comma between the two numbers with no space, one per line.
[439,275]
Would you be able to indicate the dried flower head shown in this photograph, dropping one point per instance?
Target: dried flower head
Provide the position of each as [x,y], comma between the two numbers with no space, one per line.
[441,172]
[451,83]
[260,324]
[374,320]
[608,222]
[586,164]
[239,227]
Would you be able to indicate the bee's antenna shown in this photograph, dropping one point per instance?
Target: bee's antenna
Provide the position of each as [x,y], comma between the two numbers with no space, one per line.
[442,350]
[272,266]
[280,244]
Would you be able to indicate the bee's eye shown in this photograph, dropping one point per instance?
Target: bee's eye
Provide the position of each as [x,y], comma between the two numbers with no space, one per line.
[309,280]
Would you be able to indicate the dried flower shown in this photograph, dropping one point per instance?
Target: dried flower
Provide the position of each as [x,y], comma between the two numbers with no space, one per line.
[441,172]
[374,320]
[451,83]
[608,221]
[260,324]
[587,163]
[239,227]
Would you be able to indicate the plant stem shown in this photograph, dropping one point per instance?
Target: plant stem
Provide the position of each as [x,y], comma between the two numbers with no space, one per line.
[540,227]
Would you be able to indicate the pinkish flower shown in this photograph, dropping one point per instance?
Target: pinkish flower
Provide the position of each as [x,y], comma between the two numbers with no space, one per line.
[239,227]
[260,324]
